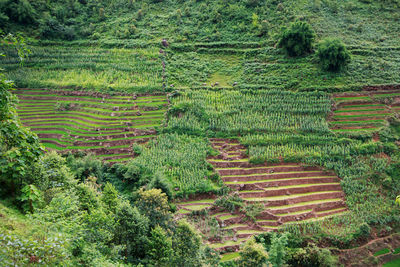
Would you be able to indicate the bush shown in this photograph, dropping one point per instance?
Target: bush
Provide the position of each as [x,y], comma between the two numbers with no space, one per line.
[312,256]
[252,254]
[333,55]
[298,39]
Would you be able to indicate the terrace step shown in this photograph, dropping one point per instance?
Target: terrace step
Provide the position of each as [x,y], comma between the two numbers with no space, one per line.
[271,184]
[265,170]
[317,207]
[275,176]
[331,212]
[298,199]
[270,223]
[291,191]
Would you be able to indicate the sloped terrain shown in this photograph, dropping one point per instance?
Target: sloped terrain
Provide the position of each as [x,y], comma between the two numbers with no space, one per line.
[365,111]
[290,192]
[97,123]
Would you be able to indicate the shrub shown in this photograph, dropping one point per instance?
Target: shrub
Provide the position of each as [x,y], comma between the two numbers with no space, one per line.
[159,181]
[333,55]
[312,256]
[298,39]
[159,248]
[186,245]
[154,204]
[252,254]
[31,197]
[277,251]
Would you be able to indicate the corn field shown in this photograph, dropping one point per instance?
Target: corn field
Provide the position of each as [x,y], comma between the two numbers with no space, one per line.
[181,158]
[251,111]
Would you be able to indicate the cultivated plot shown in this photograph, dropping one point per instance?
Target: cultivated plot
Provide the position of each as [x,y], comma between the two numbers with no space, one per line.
[94,123]
[290,192]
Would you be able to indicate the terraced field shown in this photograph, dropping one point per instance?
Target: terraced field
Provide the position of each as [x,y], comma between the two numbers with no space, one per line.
[91,122]
[365,111]
[290,192]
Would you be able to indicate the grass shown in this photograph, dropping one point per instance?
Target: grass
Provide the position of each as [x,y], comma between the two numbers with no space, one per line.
[342,110]
[87,121]
[196,201]
[183,211]
[265,173]
[324,211]
[232,226]
[361,115]
[393,263]
[381,252]
[299,186]
[227,243]
[275,180]
[396,250]
[294,213]
[249,232]
[226,217]
[229,256]
[256,168]
[197,207]
[305,203]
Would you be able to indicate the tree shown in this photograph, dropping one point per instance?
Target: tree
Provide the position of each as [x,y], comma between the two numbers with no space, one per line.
[186,244]
[31,197]
[277,252]
[50,171]
[159,248]
[19,147]
[154,204]
[159,181]
[333,55]
[131,231]
[110,197]
[298,39]
[253,255]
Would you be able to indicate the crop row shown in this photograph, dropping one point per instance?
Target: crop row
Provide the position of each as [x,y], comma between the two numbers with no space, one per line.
[103,125]
[91,68]
[248,111]
[181,158]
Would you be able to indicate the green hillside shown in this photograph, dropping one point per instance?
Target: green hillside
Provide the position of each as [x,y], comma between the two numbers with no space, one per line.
[199,133]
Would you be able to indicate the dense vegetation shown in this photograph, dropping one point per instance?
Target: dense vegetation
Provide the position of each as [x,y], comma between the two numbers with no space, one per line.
[248,88]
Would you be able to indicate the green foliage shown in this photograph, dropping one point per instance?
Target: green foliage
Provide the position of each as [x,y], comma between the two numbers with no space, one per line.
[397,201]
[16,251]
[91,68]
[186,245]
[298,39]
[313,256]
[19,147]
[230,202]
[50,171]
[31,198]
[232,112]
[87,166]
[277,251]
[110,197]
[180,158]
[154,205]
[252,210]
[88,197]
[159,248]
[252,255]
[159,181]
[333,55]
[131,231]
